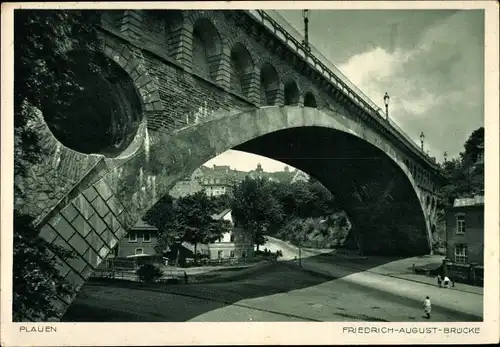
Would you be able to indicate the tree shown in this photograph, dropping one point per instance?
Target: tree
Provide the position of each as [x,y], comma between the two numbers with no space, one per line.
[195,222]
[36,280]
[464,175]
[256,208]
[162,216]
[43,81]
[473,143]
[187,219]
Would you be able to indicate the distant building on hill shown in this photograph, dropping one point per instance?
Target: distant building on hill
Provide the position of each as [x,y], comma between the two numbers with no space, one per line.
[221,179]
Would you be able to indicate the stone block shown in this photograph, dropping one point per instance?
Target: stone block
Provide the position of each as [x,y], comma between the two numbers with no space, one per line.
[95,241]
[83,206]
[77,263]
[112,222]
[79,244]
[91,257]
[90,194]
[142,81]
[131,65]
[100,206]
[87,271]
[62,267]
[74,279]
[108,237]
[115,206]
[97,223]
[70,212]
[120,233]
[81,226]
[104,251]
[48,233]
[64,229]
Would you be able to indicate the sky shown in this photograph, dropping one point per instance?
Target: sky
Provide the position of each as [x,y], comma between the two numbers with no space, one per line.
[430,62]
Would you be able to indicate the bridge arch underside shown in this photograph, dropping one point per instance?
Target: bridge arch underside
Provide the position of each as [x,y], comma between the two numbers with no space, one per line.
[380,201]
[361,168]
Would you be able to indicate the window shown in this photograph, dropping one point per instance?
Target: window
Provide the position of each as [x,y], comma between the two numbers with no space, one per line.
[232,238]
[211,181]
[220,254]
[132,237]
[460,224]
[461,253]
[231,254]
[146,237]
[217,180]
[244,254]
[139,251]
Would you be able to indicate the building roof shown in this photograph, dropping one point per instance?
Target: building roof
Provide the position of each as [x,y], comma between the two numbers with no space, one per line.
[477,200]
[221,214]
[141,224]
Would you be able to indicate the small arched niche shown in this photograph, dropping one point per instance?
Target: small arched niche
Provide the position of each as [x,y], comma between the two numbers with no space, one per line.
[291,93]
[241,69]
[206,48]
[269,85]
[310,100]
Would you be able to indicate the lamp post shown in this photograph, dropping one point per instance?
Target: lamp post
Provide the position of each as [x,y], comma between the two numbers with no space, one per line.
[445,156]
[422,137]
[305,42]
[386,102]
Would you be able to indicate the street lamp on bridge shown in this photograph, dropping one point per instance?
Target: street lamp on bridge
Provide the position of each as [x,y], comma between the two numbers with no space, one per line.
[422,137]
[305,42]
[386,102]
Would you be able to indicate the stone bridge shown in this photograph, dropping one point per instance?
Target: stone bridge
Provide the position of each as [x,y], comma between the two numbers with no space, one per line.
[180,88]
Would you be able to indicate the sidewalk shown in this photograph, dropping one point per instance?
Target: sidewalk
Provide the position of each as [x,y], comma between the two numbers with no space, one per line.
[402,269]
[392,276]
[466,302]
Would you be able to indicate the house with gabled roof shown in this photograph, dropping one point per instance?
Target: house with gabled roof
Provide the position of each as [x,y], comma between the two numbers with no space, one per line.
[235,244]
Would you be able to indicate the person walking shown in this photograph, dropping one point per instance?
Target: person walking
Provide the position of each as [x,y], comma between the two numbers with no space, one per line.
[427,307]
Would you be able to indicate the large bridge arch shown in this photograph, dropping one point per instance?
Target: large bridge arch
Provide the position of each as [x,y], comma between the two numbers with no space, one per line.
[92,223]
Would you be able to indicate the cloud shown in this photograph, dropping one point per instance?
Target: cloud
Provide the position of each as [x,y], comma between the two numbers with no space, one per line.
[435,87]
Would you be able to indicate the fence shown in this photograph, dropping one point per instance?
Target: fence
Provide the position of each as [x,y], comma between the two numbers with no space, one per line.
[292,38]
[465,273]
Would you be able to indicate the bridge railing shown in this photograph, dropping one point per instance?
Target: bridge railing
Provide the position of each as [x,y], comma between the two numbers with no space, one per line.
[288,34]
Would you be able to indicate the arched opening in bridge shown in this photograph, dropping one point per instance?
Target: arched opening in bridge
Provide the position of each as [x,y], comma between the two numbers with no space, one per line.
[108,99]
[309,100]
[291,93]
[269,85]
[206,48]
[241,69]
[387,214]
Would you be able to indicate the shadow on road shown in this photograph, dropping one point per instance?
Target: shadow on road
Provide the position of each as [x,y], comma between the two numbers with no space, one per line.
[115,301]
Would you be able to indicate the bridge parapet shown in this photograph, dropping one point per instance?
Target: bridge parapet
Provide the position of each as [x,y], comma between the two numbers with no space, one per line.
[312,56]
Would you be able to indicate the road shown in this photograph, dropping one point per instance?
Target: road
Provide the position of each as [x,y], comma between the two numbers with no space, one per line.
[277,292]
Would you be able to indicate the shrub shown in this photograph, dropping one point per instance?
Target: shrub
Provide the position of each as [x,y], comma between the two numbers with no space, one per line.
[149,273]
